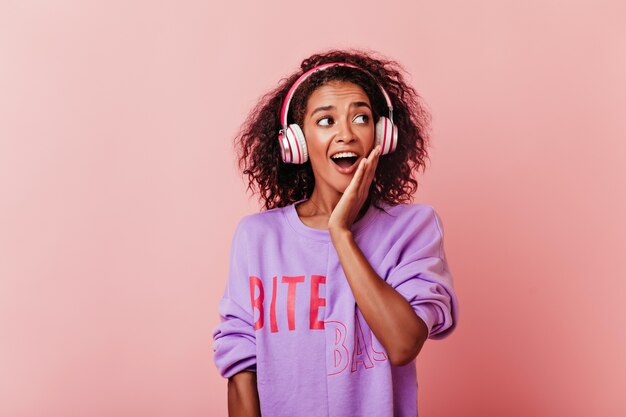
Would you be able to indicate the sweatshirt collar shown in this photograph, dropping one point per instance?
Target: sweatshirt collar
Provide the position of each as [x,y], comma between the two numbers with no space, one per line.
[296,223]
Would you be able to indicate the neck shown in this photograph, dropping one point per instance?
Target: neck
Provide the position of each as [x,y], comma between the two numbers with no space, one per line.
[324,205]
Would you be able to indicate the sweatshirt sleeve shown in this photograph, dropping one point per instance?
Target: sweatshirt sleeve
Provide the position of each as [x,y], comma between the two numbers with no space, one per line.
[422,276]
[234,342]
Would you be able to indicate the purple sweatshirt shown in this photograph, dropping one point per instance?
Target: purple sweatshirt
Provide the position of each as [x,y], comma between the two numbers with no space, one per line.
[289,315]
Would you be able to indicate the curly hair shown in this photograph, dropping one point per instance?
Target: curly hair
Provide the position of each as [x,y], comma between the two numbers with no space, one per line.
[280,184]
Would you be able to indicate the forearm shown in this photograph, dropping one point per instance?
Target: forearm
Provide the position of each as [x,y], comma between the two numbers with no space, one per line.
[390,316]
[243,397]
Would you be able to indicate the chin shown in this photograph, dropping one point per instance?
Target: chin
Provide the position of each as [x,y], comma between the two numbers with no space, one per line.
[338,182]
[341,186]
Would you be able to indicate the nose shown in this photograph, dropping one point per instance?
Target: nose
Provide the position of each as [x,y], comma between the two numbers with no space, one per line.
[344,132]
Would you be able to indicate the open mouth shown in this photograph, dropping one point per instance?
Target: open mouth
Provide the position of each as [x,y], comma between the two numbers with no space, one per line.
[345,162]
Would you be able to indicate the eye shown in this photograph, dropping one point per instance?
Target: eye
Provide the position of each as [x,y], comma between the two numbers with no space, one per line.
[364,117]
[322,122]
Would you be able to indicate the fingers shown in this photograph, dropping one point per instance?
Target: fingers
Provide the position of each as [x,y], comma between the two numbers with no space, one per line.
[357,179]
[365,173]
[371,162]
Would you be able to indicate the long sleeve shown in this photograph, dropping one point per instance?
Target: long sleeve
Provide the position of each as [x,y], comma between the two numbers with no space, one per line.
[422,276]
[234,342]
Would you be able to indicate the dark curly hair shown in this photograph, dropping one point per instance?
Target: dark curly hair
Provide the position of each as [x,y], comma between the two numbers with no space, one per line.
[280,184]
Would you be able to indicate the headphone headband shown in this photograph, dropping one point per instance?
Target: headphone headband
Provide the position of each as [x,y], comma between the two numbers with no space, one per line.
[307,74]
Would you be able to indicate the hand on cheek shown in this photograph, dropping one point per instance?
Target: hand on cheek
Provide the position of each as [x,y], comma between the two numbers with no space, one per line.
[346,211]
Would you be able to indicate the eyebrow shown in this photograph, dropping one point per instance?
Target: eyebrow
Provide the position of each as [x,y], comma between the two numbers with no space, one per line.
[353,104]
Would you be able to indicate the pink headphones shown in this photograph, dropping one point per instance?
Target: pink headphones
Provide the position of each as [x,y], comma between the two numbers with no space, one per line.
[292,144]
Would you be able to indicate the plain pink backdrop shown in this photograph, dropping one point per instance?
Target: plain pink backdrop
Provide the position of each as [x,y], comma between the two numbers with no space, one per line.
[119,194]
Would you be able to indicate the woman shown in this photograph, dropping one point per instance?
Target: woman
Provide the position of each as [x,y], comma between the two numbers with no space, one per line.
[334,288]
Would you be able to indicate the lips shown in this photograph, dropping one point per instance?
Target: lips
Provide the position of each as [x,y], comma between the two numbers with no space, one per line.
[346,170]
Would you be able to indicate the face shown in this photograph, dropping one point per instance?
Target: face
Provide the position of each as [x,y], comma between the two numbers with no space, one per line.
[338,118]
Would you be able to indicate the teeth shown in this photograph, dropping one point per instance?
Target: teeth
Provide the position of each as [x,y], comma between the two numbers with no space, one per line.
[343,155]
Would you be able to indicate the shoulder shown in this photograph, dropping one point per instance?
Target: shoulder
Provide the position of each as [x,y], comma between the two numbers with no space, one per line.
[252,223]
[413,213]
[406,222]
[409,209]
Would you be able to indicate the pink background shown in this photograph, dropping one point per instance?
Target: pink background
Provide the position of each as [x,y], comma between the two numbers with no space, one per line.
[119,194]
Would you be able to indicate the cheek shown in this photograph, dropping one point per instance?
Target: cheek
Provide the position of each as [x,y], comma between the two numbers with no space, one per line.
[316,142]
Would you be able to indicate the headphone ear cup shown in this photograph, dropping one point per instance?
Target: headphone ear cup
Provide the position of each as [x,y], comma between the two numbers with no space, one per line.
[386,135]
[293,145]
